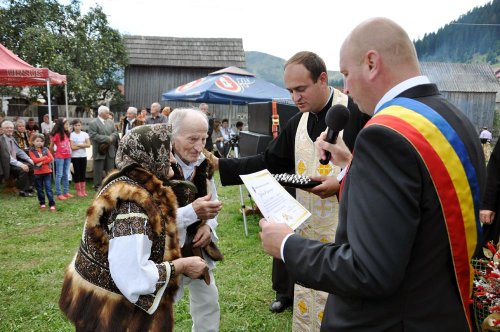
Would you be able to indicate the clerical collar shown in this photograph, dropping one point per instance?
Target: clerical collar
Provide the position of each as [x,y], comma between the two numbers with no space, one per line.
[329,101]
[326,107]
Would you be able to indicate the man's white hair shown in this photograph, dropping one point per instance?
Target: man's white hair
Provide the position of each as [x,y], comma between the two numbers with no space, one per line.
[20,121]
[176,118]
[6,122]
[102,109]
[132,109]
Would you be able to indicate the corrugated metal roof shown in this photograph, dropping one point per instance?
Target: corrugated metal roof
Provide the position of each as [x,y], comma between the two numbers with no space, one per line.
[185,52]
[461,77]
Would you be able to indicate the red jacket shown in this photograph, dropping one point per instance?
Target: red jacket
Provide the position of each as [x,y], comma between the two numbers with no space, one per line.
[43,156]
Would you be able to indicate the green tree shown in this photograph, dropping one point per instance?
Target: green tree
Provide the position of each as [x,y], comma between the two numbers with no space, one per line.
[46,33]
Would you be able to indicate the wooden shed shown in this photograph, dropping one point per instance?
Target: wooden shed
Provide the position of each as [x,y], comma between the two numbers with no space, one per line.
[471,87]
[159,64]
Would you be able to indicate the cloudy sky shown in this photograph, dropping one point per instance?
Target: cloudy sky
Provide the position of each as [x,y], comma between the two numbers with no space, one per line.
[277,27]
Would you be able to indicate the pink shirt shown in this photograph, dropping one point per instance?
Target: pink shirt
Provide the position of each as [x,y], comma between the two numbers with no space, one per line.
[62,147]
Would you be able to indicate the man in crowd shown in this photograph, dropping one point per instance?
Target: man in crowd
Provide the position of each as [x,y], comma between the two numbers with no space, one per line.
[485,136]
[408,204]
[226,134]
[209,145]
[307,80]
[104,138]
[20,164]
[238,128]
[32,127]
[156,116]
[130,121]
[197,213]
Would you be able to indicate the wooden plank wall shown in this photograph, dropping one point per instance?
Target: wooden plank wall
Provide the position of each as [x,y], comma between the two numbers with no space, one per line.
[478,107]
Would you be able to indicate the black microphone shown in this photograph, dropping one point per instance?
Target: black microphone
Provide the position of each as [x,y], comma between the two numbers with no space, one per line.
[336,119]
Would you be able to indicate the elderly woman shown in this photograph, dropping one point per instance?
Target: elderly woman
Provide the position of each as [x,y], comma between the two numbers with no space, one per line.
[21,135]
[125,273]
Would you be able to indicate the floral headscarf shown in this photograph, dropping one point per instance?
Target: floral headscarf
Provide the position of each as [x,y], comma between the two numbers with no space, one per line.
[147,146]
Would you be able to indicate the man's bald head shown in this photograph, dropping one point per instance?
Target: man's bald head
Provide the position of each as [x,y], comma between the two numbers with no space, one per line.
[185,120]
[388,39]
[376,56]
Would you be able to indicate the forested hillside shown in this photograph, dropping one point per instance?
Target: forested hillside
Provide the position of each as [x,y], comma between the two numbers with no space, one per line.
[270,68]
[472,38]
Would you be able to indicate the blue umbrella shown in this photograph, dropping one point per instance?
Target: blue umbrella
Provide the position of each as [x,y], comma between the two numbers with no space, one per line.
[230,85]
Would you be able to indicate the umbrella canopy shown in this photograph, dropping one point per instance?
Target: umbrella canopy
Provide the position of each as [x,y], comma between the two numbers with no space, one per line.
[230,85]
[17,72]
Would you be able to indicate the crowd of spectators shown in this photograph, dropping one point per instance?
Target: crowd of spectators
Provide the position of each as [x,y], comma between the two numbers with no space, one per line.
[16,167]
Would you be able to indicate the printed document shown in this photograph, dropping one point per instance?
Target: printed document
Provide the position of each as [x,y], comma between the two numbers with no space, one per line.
[275,203]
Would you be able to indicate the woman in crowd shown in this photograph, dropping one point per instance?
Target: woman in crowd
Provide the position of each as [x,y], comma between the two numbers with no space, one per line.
[218,139]
[21,135]
[126,272]
[80,141]
[61,149]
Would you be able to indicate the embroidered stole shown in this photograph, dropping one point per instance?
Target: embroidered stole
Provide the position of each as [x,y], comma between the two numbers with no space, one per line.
[309,304]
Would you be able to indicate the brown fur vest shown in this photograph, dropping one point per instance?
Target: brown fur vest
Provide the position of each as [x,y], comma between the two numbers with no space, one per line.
[98,305]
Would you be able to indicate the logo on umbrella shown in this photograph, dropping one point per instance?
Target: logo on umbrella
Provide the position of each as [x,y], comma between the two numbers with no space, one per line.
[190,85]
[228,84]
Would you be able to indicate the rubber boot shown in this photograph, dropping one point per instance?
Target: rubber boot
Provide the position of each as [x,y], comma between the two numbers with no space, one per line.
[78,187]
[83,189]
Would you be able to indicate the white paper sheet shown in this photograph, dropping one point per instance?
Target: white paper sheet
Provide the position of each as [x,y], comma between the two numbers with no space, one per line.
[275,203]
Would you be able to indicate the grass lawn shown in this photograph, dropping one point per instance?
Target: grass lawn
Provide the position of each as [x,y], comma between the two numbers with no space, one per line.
[35,247]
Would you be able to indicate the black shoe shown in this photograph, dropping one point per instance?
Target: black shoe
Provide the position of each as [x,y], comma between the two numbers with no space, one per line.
[279,306]
[25,194]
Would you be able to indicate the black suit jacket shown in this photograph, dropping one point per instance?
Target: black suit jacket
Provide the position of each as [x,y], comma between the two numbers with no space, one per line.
[4,158]
[279,156]
[491,199]
[209,144]
[390,267]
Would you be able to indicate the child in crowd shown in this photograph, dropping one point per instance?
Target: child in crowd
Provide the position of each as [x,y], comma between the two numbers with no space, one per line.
[42,158]
[80,141]
[59,139]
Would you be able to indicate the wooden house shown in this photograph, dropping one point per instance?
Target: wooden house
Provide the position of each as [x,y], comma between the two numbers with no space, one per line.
[471,87]
[159,64]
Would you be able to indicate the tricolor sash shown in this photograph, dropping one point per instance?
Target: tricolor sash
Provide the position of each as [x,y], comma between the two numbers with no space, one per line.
[452,173]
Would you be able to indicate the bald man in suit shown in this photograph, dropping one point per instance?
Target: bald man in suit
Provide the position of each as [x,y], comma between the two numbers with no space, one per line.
[409,204]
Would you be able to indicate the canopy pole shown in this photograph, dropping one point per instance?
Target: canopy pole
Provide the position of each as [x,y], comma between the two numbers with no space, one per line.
[48,102]
[66,99]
